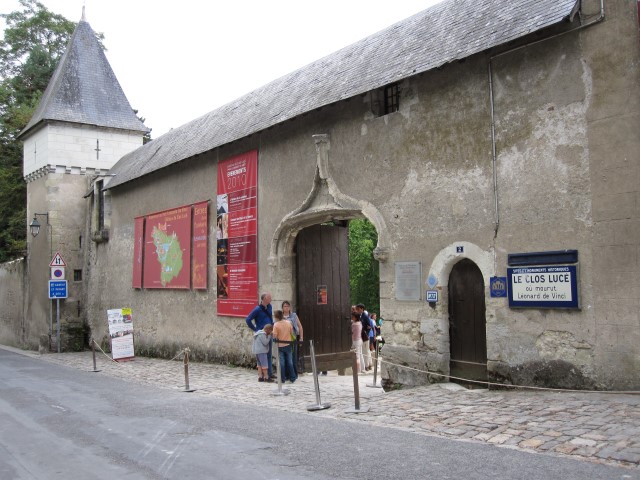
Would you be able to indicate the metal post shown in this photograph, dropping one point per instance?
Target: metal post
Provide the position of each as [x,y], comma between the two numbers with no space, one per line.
[58,323]
[93,352]
[279,391]
[318,405]
[186,372]
[356,388]
[375,368]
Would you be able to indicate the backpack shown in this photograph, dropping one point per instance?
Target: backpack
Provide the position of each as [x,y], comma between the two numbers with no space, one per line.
[366,327]
[293,319]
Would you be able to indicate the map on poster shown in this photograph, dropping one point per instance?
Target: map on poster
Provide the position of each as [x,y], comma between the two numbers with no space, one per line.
[167,249]
[121,333]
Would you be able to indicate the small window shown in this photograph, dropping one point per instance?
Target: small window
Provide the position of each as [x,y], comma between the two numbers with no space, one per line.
[385,100]
[391,98]
[77,275]
[100,201]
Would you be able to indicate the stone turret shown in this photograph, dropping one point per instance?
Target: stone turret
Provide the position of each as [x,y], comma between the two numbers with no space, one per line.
[82,126]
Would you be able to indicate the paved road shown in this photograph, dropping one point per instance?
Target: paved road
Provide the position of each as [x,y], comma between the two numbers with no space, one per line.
[407,426]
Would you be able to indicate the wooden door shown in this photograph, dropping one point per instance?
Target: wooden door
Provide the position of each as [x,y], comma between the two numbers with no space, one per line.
[323,287]
[467,322]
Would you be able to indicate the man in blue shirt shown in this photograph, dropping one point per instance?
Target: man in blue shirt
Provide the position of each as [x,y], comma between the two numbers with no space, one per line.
[258,318]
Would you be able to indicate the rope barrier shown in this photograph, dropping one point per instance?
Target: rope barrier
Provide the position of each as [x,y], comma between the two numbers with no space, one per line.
[505,385]
[469,363]
[103,352]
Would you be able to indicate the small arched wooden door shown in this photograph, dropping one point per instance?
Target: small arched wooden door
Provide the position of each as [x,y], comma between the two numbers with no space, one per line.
[467,322]
[323,287]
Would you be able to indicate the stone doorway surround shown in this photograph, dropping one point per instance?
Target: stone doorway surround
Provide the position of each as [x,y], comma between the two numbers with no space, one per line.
[324,203]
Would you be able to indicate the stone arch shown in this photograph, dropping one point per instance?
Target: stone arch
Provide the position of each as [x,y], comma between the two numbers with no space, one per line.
[324,203]
[444,261]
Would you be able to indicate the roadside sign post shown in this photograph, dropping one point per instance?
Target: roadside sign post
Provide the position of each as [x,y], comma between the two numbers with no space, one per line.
[57,288]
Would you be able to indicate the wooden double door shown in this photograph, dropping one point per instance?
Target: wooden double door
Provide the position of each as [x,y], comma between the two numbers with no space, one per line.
[322,266]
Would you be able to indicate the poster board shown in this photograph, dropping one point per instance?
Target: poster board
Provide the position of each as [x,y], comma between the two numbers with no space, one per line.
[121,333]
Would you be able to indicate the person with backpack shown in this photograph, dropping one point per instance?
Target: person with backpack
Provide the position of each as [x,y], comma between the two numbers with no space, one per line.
[297,337]
[366,330]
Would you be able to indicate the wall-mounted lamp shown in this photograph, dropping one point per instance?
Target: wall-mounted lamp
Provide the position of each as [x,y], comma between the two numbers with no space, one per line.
[34,226]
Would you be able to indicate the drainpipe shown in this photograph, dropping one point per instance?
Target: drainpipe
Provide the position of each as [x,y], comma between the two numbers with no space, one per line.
[599,19]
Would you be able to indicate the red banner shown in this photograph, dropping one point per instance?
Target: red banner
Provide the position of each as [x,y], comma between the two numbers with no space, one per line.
[200,254]
[237,234]
[138,239]
[167,249]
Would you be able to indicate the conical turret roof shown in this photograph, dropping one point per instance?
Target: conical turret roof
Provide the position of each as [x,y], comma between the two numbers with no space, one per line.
[84,89]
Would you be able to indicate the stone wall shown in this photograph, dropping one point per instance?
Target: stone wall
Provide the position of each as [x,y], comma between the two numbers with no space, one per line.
[12,280]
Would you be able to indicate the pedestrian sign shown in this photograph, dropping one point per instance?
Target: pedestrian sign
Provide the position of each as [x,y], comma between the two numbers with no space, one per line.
[57,261]
[57,289]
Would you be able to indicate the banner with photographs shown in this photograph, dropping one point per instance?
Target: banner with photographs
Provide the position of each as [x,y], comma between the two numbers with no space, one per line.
[237,234]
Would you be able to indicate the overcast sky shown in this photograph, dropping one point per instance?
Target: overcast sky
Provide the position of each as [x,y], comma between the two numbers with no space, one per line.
[177,60]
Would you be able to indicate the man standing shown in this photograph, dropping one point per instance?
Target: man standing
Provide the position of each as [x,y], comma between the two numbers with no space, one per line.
[258,318]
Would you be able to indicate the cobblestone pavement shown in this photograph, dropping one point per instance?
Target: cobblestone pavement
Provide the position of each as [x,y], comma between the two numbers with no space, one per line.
[596,427]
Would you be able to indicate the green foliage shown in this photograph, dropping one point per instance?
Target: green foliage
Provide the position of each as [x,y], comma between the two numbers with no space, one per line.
[364,270]
[34,40]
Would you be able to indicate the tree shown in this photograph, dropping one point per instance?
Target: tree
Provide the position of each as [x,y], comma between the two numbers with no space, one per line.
[34,40]
[364,270]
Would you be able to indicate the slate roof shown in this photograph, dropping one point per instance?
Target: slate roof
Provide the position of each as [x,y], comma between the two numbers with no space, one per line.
[449,31]
[84,89]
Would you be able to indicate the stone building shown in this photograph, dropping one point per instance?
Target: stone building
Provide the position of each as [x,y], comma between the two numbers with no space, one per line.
[492,144]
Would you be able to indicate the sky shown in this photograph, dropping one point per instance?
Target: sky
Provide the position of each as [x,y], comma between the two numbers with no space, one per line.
[178,60]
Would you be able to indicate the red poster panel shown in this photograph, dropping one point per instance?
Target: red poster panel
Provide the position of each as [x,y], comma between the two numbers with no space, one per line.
[138,239]
[200,241]
[237,234]
[242,250]
[242,222]
[167,249]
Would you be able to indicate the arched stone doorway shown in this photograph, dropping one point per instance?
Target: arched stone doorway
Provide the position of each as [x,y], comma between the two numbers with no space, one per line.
[467,322]
[325,204]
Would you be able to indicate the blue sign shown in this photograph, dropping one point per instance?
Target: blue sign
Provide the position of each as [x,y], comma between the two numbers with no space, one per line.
[551,286]
[498,287]
[57,289]
[432,296]
[460,249]
[432,280]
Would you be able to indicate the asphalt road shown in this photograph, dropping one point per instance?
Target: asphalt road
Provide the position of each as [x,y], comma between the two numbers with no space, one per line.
[61,423]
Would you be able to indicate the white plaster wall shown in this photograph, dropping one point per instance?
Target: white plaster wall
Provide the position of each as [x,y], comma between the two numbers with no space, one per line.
[72,146]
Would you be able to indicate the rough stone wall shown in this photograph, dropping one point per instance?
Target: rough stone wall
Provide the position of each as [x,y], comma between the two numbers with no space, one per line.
[613,123]
[566,113]
[12,278]
[59,195]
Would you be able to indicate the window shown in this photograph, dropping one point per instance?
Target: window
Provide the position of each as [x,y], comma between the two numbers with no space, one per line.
[391,98]
[77,275]
[100,201]
[385,100]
